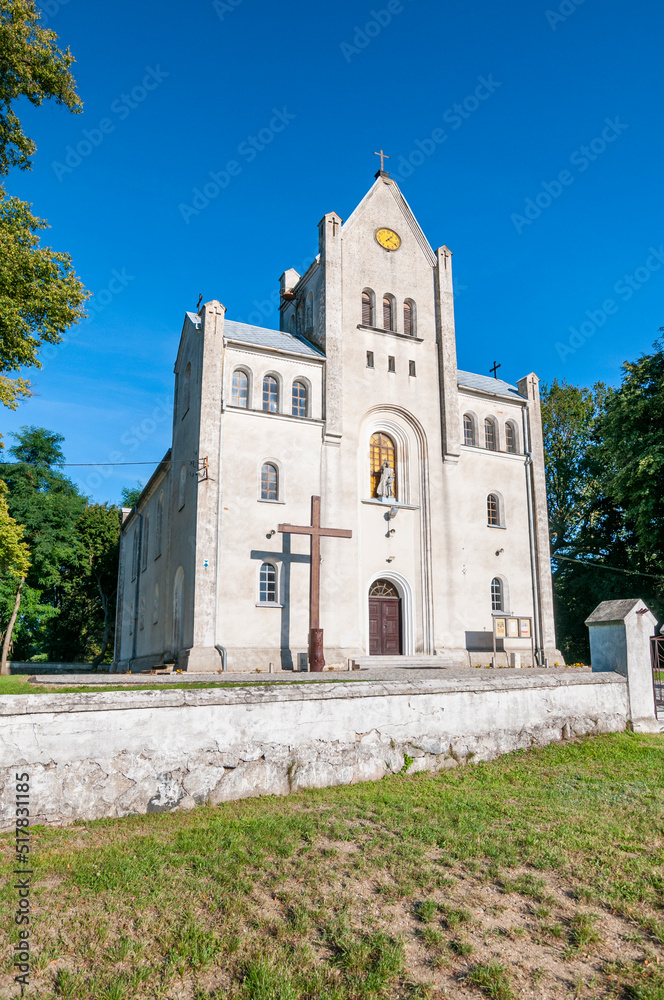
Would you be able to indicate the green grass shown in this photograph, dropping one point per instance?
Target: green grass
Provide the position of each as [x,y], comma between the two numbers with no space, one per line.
[328,893]
[19,684]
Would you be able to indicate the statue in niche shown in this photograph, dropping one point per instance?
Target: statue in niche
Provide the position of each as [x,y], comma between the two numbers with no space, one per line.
[385,488]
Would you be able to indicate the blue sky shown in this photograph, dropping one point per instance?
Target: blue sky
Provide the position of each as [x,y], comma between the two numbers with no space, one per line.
[544,178]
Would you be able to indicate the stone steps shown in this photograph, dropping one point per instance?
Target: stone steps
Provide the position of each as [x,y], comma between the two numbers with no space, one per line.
[405,662]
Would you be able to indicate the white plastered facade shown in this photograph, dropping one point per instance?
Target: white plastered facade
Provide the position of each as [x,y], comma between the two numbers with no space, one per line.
[197,594]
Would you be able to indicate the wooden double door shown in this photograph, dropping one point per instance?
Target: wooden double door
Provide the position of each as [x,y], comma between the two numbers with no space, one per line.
[384,626]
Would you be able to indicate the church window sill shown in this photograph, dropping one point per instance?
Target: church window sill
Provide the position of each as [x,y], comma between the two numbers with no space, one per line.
[265,500]
[501,527]
[390,333]
[386,504]
[268,604]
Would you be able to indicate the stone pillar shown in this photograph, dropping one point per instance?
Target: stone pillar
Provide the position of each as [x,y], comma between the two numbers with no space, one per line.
[329,240]
[529,387]
[203,656]
[447,359]
[620,633]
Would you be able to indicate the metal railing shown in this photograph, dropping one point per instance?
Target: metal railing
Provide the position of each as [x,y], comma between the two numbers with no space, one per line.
[657,655]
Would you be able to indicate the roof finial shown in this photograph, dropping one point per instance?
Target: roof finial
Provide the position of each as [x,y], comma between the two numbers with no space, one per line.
[383,156]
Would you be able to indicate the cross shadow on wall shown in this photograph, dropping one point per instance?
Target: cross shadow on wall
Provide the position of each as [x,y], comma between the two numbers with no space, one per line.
[287,558]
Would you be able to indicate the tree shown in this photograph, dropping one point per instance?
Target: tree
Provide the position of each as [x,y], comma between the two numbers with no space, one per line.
[14,566]
[40,295]
[604,451]
[32,66]
[84,626]
[632,434]
[131,494]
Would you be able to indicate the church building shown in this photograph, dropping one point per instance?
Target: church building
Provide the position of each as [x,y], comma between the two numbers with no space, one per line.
[436,473]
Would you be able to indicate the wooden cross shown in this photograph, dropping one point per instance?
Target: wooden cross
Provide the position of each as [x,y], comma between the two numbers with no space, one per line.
[315,532]
[383,157]
[494,370]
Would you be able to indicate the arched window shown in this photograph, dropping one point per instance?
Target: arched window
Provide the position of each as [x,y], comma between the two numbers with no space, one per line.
[160,524]
[492,509]
[511,438]
[291,323]
[146,540]
[134,555]
[497,595]
[155,605]
[409,318]
[270,394]
[299,399]
[269,482]
[490,434]
[182,487]
[382,452]
[186,389]
[388,312]
[141,613]
[368,303]
[383,588]
[240,390]
[268,584]
[469,430]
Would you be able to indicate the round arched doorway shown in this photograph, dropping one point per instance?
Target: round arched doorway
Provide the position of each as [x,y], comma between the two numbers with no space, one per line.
[385,626]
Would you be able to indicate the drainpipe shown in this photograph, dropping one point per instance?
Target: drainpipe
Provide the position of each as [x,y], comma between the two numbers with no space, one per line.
[224,656]
[531,535]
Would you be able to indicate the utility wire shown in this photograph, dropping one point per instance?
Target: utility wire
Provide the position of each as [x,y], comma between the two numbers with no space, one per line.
[611,569]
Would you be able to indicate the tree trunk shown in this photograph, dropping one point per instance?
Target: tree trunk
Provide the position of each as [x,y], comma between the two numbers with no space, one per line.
[4,665]
[106,602]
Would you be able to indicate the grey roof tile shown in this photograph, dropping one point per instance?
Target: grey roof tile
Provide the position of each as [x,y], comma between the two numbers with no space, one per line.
[486,383]
[260,337]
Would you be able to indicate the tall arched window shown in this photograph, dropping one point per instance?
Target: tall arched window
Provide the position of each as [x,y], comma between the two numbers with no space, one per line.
[155,605]
[497,595]
[269,482]
[368,301]
[145,544]
[141,613]
[492,509]
[409,318]
[511,438]
[186,389]
[240,391]
[388,312]
[490,434]
[178,610]
[182,487]
[268,584]
[468,430]
[381,451]
[160,524]
[299,399]
[270,394]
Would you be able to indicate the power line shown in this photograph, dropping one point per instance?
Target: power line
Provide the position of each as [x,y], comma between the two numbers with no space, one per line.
[611,569]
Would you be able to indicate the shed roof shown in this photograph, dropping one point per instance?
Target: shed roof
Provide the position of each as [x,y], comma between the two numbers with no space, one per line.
[486,383]
[278,340]
[613,611]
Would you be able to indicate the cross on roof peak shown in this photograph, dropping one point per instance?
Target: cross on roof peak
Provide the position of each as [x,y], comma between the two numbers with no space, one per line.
[383,157]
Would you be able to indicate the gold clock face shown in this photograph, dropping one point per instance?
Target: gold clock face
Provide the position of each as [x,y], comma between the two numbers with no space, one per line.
[388,239]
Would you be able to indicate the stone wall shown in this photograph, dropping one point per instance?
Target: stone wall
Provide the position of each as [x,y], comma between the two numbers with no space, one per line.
[106,755]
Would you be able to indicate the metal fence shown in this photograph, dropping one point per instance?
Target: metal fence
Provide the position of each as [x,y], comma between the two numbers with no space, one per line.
[657,654]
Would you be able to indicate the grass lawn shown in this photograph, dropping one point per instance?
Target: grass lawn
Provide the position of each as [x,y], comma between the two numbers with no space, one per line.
[538,875]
